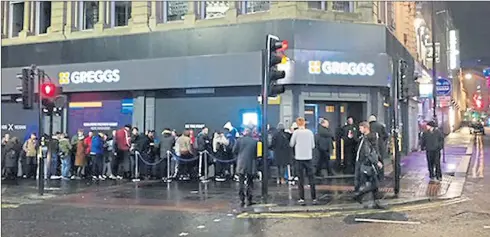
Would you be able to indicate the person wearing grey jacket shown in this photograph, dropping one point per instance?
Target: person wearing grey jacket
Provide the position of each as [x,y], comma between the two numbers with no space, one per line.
[303,142]
[245,150]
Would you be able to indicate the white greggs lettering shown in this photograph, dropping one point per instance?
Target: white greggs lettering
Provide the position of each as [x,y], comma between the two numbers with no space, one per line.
[341,68]
[98,76]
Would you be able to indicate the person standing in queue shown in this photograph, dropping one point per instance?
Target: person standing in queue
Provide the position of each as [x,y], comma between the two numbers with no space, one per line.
[303,142]
[245,149]
[324,140]
[123,143]
[350,136]
[282,151]
[167,142]
[432,143]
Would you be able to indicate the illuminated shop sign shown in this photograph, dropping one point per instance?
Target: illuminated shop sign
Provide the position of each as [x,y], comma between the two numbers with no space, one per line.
[341,68]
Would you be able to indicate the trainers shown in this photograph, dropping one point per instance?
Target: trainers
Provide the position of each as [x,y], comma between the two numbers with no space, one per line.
[94,177]
[301,202]
[112,177]
[54,177]
[314,202]
[101,177]
[119,177]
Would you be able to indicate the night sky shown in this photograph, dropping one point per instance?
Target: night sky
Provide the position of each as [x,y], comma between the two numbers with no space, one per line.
[473,21]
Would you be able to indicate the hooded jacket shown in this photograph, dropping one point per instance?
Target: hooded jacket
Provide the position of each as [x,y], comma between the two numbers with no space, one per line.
[167,142]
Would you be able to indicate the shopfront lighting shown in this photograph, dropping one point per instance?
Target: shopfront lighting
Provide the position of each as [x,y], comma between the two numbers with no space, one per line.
[468,76]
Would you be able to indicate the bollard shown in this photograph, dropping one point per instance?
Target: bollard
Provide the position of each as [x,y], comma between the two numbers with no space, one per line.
[136,167]
[200,164]
[168,167]
[205,178]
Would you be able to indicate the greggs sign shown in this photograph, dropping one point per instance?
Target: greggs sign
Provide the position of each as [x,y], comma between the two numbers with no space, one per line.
[97,76]
[341,68]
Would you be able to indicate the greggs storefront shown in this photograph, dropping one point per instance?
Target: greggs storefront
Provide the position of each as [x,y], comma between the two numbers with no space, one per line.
[327,75]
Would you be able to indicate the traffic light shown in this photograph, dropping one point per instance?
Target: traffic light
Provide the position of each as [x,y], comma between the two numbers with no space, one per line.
[403,85]
[52,101]
[27,87]
[275,56]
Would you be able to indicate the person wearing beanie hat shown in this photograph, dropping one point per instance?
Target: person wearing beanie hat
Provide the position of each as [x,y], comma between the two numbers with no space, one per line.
[432,143]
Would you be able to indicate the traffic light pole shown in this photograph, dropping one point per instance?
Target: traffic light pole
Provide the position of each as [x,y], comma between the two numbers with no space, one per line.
[40,179]
[395,114]
[434,74]
[265,145]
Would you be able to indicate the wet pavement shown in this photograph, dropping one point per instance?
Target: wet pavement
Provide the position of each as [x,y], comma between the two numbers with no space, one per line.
[196,209]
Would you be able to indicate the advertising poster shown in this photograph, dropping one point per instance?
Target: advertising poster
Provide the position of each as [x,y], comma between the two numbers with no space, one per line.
[99,112]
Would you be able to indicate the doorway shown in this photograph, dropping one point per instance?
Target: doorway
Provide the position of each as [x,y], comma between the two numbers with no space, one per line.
[334,111]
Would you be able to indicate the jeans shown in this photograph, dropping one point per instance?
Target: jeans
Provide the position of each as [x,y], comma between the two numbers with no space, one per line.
[323,160]
[305,166]
[53,166]
[65,166]
[97,164]
[434,164]
[245,187]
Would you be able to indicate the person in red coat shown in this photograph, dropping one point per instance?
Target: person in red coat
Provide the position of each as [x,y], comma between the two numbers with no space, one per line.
[87,143]
[122,162]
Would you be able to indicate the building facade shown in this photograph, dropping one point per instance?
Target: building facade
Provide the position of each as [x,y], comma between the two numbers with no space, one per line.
[200,63]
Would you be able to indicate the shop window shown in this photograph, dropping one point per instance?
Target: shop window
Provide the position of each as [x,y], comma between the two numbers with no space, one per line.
[42,17]
[120,13]
[213,9]
[174,10]
[247,7]
[319,5]
[342,109]
[330,109]
[16,18]
[88,14]
[343,6]
[3,16]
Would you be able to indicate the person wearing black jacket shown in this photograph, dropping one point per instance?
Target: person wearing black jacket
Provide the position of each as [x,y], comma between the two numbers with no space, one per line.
[203,142]
[138,142]
[379,130]
[367,161]
[350,135]
[432,143]
[245,150]
[324,144]
[12,149]
[283,154]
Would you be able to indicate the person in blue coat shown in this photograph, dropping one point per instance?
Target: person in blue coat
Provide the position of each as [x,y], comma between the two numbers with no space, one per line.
[97,156]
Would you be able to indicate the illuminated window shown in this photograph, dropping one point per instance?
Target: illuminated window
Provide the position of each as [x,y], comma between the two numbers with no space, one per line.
[342,109]
[250,119]
[330,109]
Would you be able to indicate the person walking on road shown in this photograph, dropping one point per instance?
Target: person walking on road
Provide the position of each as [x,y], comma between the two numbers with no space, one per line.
[367,165]
[432,143]
[379,130]
[245,149]
[303,142]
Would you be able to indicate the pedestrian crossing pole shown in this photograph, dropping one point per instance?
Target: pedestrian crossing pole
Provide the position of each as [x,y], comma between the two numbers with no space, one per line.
[395,113]
[40,80]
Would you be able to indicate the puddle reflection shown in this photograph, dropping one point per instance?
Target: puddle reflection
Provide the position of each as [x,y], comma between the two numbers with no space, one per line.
[478,166]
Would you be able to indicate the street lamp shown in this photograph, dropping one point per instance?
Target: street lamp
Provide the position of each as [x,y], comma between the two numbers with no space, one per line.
[468,76]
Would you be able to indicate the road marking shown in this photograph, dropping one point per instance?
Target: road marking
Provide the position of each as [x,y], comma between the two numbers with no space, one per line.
[387,221]
[486,227]
[201,227]
[5,205]
[184,234]
[216,220]
[308,215]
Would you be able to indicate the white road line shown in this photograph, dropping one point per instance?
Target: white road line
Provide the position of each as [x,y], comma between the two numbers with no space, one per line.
[216,220]
[201,227]
[184,234]
[486,227]
[387,221]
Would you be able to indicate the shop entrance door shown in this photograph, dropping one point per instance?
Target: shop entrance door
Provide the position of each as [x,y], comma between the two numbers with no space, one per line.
[311,116]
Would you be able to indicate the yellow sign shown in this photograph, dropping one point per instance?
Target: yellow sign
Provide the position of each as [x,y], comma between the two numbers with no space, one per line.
[64,78]
[259,149]
[276,100]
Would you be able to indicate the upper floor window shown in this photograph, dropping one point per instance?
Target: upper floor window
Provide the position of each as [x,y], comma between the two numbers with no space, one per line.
[120,13]
[343,6]
[16,18]
[88,14]
[246,7]
[42,17]
[175,10]
[320,5]
[213,9]
[390,15]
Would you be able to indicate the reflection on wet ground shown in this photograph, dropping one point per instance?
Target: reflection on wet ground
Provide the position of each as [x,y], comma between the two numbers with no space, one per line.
[479,161]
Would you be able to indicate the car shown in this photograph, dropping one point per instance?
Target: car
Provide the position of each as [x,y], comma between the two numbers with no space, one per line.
[477,128]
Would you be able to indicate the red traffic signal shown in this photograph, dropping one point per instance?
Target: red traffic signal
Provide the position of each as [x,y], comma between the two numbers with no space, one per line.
[48,90]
